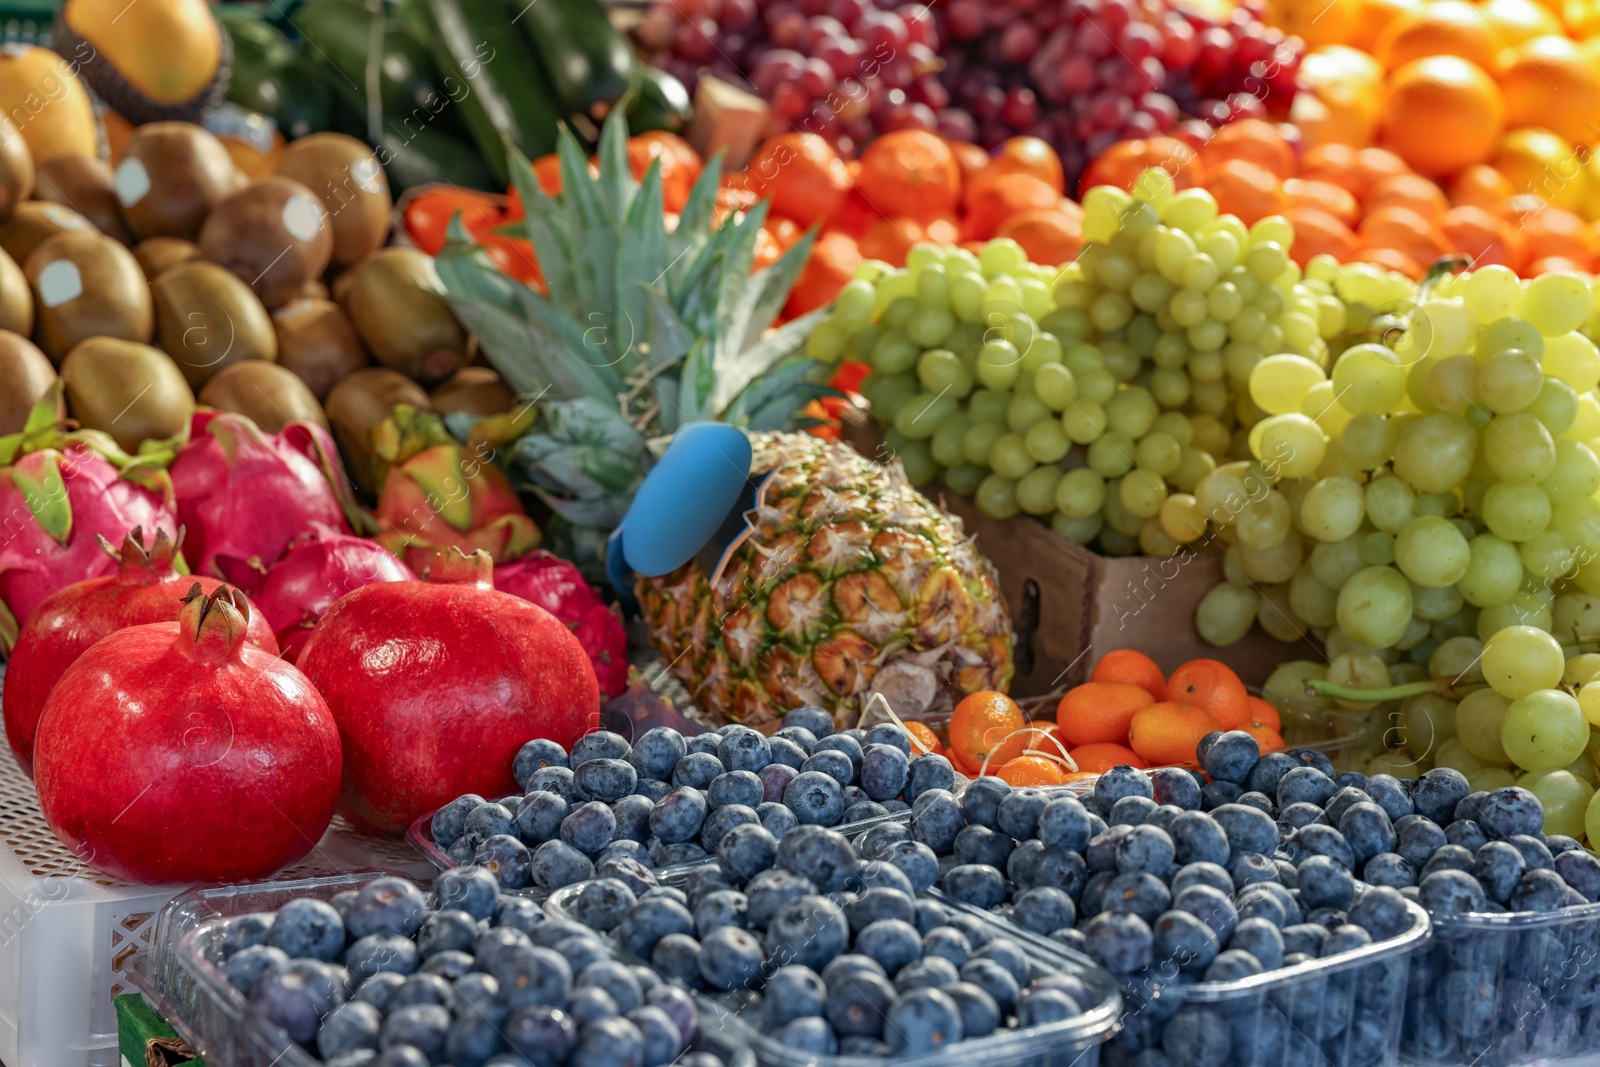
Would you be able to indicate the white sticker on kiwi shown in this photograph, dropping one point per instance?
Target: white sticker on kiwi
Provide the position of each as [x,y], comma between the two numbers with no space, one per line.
[66,218]
[132,182]
[302,217]
[293,309]
[59,282]
[366,174]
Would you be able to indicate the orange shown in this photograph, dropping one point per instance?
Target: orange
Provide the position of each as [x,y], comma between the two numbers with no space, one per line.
[1262,713]
[1544,164]
[1325,196]
[680,164]
[1443,113]
[802,173]
[1317,233]
[1556,265]
[1549,82]
[1481,186]
[986,725]
[1550,231]
[1122,163]
[1515,21]
[1402,229]
[1329,163]
[923,739]
[1389,259]
[1371,166]
[1408,190]
[890,239]
[1373,17]
[1318,24]
[1099,711]
[1268,738]
[1256,140]
[767,250]
[1168,733]
[1245,189]
[1099,758]
[785,231]
[1441,28]
[1030,770]
[1134,668]
[910,172]
[833,262]
[1029,155]
[971,158]
[995,199]
[855,216]
[1048,235]
[1213,687]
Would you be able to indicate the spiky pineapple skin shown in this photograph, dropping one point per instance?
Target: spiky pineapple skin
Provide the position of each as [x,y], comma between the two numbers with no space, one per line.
[848,571]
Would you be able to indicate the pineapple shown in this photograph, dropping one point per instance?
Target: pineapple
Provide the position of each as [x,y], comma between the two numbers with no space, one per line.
[851,583]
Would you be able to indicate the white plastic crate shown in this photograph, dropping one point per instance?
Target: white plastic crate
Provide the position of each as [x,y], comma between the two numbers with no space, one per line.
[67,932]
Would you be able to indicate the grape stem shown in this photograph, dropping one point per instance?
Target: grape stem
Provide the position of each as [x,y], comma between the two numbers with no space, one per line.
[1316,687]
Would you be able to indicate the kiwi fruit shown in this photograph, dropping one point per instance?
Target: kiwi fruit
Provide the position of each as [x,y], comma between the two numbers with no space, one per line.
[157,255]
[16,299]
[393,299]
[25,374]
[344,173]
[16,168]
[359,403]
[207,319]
[313,290]
[270,395]
[35,220]
[474,391]
[85,285]
[83,184]
[317,342]
[171,176]
[274,234]
[131,391]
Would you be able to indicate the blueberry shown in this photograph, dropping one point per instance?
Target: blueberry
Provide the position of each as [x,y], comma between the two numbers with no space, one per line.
[976,884]
[347,1028]
[470,1041]
[653,788]
[1197,837]
[1063,822]
[1034,863]
[928,973]
[449,822]
[1559,843]
[1042,1005]
[1201,873]
[1381,912]
[678,1005]
[602,903]
[607,780]
[615,979]
[980,803]
[1511,810]
[893,943]
[557,864]
[1389,869]
[375,953]
[631,815]
[1437,792]
[936,818]
[1260,939]
[915,861]
[1183,941]
[1367,828]
[1389,794]
[835,765]
[1535,853]
[307,928]
[602,744]
[517,913]
[244,967]
[1122,781]
[498,943]
[885,769]
[995,979]
[488,819]
[676,957]
[743,749]
[808,930]
[1497,865]
[448,965]
[947,943]
[921,1022]
[1018,814]
[657,752]
[811,718]
[1319,840]
[1304,785]
[1146,849]
[1268,772]
[867,875]
[538,753]
[723,820]
[887,733]
[556,780]
[825,856]
[678,816]
[422,1026]
[876,904]
[1211,906]
[1198,1036]
[1444,893]
[1120,941]
[1260,801]
[507,859]
[745,851]
[793,992]
[1231,757]
[609,1042]
[1141,894]
[777,819]
[1417,838]
[1214,794]
[1232,965]
[420,989]
[859,1005]
[815,798]
[1304,939]
[1580,870]
[379,991]
[808,1034]
[929,771]
[1175,786]
[539,816]
[1466,833]
[533,976]
[844,968]
[1043,910]
[770,890]
[980,1015]
[1301,814]
[399,1056]
[1538,891]
[589,827]
[1448,858]
[696,770]
[1467,1001]
[725,907]
[861,811]
[1325,883]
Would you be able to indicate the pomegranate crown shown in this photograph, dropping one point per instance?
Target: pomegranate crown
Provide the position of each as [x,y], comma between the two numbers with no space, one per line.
[214,624]
[162,555]
[454,567]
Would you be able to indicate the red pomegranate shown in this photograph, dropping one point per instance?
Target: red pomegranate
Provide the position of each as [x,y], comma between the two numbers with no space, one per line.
[313,574]
[178,752]
[436,684]
[145,589]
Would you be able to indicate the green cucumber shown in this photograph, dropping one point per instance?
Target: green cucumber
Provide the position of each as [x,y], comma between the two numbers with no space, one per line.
[492,75]
[271,78]
[589,61]
[659,101]
[427,157]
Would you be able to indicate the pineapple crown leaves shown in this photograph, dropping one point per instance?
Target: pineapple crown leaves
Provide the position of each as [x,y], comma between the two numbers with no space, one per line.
[665,328]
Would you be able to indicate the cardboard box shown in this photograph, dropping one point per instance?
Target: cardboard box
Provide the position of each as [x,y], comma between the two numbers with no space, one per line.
[1070,606]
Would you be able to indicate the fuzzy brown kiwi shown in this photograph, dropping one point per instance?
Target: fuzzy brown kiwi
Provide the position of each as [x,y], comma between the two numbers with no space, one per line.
[131,391]
[274,234]
[16,168]
[84,185]
[157,255]
[317,342]
[170,177]
[393,299]
[207,319]
[359,403]
[25,373]
[270,395]
[35,220]
[85,285]
[16,299]
[345,174]
[474,391]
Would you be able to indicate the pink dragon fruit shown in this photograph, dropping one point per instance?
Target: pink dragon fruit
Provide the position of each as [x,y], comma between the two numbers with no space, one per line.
[317,570]
[244,495]
[556,586]
[60,493]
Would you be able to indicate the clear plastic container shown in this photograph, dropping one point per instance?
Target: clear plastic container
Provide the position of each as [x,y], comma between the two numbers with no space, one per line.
[1539,974]
[181,977]
[1071,1043]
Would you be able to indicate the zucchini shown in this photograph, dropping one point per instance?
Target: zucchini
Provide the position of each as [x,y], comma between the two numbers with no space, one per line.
[427,157]
[589,61]
[269,77]
[659,101]
[492,75]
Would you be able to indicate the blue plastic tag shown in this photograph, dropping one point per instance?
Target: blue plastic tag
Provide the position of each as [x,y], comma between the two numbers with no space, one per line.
[687,498]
